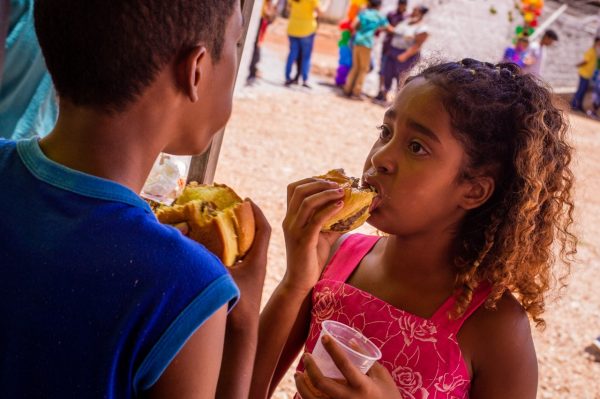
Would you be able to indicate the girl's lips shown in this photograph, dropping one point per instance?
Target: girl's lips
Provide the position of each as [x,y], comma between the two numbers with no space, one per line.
[368,183]
[375,203]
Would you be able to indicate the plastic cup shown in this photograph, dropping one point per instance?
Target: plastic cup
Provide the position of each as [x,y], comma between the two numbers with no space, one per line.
[358,348]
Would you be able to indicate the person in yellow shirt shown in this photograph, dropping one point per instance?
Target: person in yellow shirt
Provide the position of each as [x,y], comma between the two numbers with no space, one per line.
[301,31]
[586,70]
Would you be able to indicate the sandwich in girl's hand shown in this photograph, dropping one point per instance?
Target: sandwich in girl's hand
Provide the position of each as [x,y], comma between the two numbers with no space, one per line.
[216,217]
[357,201]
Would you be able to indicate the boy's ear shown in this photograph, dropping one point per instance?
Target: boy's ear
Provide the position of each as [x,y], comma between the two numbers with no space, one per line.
[191,71]
[477,191]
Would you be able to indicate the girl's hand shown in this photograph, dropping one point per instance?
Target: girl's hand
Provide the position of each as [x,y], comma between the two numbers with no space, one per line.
[310,203]
[376,384]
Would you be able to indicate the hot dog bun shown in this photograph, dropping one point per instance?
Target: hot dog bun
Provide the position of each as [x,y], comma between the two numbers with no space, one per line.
[217,218]
[357,201]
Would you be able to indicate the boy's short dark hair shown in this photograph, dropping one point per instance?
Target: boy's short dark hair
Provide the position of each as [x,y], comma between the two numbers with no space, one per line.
[374,3]
[551,35]
[402,2]
[103,54]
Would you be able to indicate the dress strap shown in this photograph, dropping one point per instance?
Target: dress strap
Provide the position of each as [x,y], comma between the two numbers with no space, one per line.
[348,256]
[442,315]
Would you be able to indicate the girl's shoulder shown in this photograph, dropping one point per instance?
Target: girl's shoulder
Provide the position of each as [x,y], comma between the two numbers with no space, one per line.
[498,345]
[498,337]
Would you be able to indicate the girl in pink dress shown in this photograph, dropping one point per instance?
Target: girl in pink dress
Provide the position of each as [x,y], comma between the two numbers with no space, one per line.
[471,170]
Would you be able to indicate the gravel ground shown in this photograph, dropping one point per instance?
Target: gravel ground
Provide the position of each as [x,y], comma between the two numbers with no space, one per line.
[278,135]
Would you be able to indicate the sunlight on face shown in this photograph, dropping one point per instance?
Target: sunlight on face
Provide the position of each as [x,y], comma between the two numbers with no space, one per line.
[415,163]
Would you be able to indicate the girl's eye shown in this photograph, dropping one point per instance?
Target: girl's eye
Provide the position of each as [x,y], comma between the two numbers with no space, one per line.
[417,149]
[384,133]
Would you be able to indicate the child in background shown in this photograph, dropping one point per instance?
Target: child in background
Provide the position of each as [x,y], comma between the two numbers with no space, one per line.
[593,113]
[368,22]
[302,26]
[394,18]
[518,53]
[99,300]
[404,51]
[586,72]
[471,170]
[267,16]
[536,53]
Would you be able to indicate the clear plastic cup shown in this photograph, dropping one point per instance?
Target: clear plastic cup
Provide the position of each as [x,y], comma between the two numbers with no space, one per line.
[358,348]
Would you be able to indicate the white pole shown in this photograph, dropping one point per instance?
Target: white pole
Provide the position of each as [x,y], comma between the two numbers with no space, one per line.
[548,22]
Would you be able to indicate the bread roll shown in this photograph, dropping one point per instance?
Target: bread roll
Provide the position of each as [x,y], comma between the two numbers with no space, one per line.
[217,218]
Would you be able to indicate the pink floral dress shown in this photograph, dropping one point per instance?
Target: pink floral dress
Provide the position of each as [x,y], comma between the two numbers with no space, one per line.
[422,355]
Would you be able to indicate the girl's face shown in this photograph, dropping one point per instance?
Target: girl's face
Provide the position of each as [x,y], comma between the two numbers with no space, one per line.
[415,164]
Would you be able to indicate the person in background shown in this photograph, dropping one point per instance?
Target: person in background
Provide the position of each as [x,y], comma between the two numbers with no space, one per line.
[586,70]
[516,54]
[536,53]
[302,27]
[404,50]
[394,18]
[267,16]
[593,113]
[366,24]
[28,104]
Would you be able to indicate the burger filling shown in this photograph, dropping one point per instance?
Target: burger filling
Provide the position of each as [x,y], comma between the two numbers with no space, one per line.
[345,224]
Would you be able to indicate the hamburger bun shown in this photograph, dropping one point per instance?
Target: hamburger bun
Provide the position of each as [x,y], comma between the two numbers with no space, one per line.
[357,201]
[217,218]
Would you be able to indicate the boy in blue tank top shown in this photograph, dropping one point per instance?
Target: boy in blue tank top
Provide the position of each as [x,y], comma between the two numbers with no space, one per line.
[99,300]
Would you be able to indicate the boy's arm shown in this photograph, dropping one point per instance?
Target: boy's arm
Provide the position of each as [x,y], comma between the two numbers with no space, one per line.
[242,324]
[504,360]
[194,372]
[283,330]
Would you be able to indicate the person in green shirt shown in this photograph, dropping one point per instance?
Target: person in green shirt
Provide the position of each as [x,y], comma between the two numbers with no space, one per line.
[368,22]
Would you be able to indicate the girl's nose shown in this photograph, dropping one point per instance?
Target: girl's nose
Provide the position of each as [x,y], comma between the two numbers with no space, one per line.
[382,160]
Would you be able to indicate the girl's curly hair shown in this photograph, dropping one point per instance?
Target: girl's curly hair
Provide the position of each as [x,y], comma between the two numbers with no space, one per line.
[512,130]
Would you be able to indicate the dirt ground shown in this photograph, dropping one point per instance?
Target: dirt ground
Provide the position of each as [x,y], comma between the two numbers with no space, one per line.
[278,135]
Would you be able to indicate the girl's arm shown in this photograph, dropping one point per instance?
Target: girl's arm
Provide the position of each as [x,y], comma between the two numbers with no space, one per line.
[284,321]
[504,360]
[415,48]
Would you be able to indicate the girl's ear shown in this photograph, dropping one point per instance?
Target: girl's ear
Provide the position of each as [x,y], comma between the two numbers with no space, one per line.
[477,191]
[190,71]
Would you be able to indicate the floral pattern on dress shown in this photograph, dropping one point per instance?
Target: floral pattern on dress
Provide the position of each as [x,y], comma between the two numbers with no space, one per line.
[422,356]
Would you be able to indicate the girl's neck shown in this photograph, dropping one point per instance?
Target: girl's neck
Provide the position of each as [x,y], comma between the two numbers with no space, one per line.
[425,260]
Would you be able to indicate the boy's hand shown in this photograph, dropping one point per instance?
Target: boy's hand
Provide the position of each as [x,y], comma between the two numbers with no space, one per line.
[310,203]
[376,384]
[183,227]
[249,273]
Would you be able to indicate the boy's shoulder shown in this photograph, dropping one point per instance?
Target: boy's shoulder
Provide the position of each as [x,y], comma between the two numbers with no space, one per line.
[89,220]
